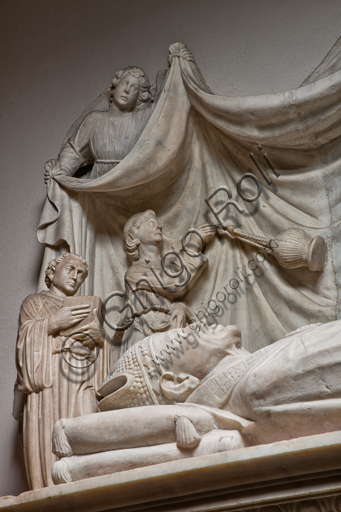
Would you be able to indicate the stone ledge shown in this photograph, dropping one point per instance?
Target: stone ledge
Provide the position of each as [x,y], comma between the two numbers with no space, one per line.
[300,469]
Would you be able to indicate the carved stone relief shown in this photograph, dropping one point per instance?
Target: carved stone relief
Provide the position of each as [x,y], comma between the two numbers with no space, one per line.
[140,168]
[229,399]
[50,386]
[199,159]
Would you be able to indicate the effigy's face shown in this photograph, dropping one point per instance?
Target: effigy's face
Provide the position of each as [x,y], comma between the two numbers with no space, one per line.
[126,92]
[197,348]
[69,275]
[150,231]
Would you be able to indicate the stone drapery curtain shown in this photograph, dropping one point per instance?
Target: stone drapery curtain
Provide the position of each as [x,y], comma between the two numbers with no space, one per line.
[195,142]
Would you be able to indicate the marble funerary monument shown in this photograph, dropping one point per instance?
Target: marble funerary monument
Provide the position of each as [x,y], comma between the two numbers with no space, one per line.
[183,349]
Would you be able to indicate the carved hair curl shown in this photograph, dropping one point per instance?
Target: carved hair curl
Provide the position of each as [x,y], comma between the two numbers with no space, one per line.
[131,234]
[51,267]
[144,96]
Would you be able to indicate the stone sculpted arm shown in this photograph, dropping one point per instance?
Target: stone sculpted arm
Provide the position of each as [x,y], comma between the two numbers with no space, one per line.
[67,317]
[32,354]
[92,332]
[74,154]
[179,315]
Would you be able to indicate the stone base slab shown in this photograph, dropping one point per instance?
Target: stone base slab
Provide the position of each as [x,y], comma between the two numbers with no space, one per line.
[301,475]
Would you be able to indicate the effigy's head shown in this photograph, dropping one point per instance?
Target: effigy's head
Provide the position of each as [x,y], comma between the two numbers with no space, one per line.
[130,89]
[141,228]
[167,367]
[66,272]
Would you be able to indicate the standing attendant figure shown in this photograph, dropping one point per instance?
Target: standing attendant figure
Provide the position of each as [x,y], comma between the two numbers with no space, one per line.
[49,389]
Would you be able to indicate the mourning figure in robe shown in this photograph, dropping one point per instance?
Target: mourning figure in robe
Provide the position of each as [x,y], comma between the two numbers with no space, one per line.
[49,387]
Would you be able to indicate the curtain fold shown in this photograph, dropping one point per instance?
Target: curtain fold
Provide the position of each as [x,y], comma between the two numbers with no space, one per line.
[194,143]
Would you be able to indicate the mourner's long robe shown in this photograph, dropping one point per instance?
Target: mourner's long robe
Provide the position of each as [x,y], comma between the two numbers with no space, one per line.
[53,389]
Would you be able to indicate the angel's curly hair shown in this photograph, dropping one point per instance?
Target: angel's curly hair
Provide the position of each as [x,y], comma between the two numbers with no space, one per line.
[131,233]
[51,267]
[144,97]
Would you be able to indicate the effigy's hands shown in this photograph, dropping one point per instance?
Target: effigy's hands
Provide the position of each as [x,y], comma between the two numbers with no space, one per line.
[178,316]
[67,317]
[92,332]
[52,167]
[207,231]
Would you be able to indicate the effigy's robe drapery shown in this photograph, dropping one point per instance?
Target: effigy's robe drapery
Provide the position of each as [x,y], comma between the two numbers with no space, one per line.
[289,389]
[194,143]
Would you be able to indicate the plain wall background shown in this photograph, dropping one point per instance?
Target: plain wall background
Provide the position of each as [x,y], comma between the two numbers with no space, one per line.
[58,56]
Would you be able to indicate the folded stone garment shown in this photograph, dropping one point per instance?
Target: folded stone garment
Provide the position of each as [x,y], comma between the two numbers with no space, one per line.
[71,469]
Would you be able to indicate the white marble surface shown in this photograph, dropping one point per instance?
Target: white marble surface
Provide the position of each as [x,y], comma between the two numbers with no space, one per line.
[193,143]
[49,385]
[215,398]
[199,149]
[286,471]
[69,55]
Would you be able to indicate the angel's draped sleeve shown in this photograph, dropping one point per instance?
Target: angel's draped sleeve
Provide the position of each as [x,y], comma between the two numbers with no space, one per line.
[34,346]
[76,152]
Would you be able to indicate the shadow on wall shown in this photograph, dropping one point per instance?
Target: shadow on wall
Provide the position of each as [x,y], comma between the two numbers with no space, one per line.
[17,467]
